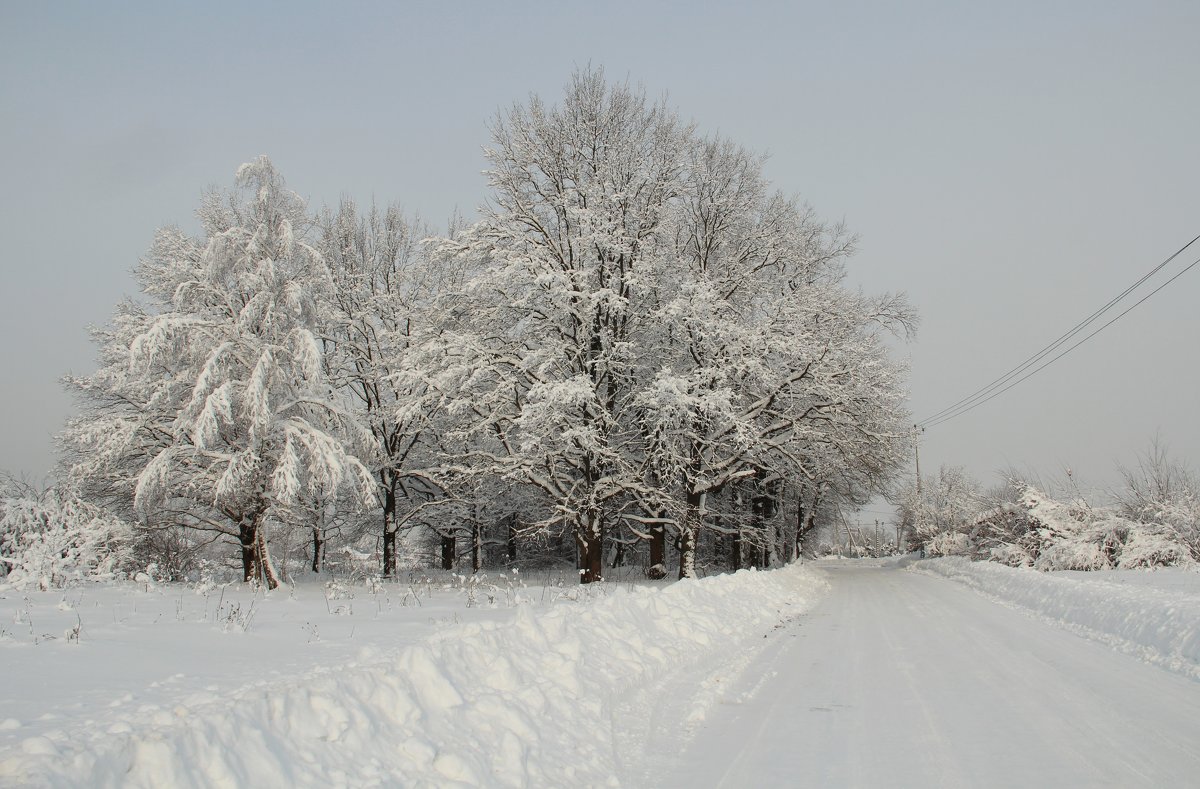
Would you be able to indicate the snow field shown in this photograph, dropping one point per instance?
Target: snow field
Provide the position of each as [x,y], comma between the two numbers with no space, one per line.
[1156,623]
[536,701]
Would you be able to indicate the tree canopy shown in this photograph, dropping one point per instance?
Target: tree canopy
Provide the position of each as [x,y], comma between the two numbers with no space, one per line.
[637,339]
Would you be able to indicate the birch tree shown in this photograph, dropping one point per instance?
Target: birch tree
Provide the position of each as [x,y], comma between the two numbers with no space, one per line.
[212,402]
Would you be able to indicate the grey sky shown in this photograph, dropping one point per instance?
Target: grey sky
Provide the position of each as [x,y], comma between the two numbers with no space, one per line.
[1012,166]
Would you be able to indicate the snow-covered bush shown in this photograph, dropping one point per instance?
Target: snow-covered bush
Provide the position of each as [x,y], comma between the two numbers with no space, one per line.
[1011,555]
[1074,552]
[53,539]
[1164,496]
[175,552]
[1002,533]
[1154,545]
[1032,529]
[1078,537]
[948,543]
[1065,536]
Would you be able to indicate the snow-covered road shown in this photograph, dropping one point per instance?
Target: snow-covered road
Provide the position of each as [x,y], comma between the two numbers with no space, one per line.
[902,679]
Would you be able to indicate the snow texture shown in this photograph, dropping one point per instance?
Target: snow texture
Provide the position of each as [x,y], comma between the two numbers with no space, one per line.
[1159,625]
[909,680]
[533,701]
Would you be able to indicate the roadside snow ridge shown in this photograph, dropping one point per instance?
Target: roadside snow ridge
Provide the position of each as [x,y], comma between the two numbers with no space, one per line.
[531,702]
[1156,625]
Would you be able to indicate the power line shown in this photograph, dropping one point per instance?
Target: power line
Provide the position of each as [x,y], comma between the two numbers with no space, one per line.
[986,393]
[1129,309]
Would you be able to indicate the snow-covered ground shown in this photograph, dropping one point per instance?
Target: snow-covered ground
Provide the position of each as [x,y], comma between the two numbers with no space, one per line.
[834,674]
[910,679]
[1154,615]
[396,684]
[98,651]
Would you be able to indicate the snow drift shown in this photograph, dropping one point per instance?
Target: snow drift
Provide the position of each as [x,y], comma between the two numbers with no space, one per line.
[532,702]
[1158,625]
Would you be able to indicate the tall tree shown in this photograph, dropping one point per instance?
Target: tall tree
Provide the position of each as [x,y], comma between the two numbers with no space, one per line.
[763,352]
[580,192]
[214,399]
[383,288]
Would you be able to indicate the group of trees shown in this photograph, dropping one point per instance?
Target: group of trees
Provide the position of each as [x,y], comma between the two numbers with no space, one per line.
[637,344]
[1152,520]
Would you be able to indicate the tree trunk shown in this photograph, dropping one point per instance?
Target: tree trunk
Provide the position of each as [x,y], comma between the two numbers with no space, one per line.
[449,549]
[476,545]
[735,540]
[589,538]
[806,518]
[658,537]
[658,545]
[389,525]
[263,569]
[512,538]
[763,507]
[246,540]
[689,530]
[618,554]
[318,549]
[758,522]
[797,551]
[256,560]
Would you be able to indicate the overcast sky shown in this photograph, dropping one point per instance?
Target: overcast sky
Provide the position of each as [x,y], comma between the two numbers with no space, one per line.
[1011,166]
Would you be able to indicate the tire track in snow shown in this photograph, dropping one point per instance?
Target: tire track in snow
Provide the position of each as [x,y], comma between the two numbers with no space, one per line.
[903,680]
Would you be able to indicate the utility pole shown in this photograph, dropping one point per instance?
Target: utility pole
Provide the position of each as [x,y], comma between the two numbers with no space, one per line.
[917,431]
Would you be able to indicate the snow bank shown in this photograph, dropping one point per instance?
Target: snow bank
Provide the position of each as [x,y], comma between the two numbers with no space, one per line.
[531,702]
[1158,625]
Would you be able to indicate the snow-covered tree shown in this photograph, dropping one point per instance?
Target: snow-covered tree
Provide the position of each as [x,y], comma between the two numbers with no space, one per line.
[212,408]
[383,289]
[765,358]
[543,357]
[941,516]
[652,324]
